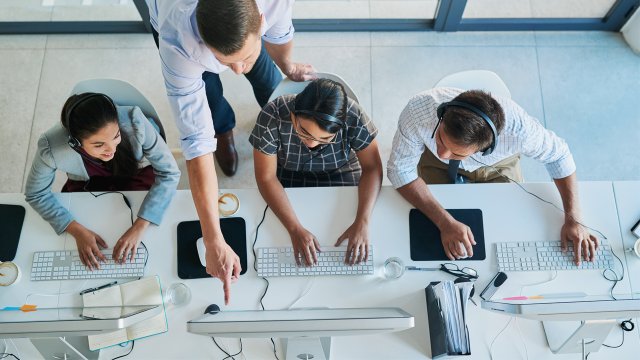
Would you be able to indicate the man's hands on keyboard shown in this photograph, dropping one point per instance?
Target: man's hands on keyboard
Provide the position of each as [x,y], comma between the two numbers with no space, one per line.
[584,243]
[358,243]
[305,246]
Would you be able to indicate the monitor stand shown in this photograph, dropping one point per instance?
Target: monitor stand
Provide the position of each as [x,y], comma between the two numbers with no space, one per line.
[307,348]
[583,337]
[65,348]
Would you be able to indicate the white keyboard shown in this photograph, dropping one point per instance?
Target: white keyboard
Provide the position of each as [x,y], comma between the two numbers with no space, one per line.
[546,255]
[279,261]
[66,265]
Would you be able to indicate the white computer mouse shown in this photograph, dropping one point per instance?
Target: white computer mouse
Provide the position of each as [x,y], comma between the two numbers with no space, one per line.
[202,252]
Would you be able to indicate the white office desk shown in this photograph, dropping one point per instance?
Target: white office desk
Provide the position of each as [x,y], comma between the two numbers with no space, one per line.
[509,215]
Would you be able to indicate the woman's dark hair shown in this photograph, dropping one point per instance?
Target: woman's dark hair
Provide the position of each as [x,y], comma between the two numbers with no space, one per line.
[468,128]
[85,114]
[325,101]
[225,24]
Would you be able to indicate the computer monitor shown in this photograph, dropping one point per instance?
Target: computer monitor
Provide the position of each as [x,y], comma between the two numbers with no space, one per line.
[307,332]
[572,325]
[63,331]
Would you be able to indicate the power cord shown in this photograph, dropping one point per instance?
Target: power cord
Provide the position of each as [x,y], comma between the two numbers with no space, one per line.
[127,354]
[4,354]
[255,267]
[626,326]
[228,355]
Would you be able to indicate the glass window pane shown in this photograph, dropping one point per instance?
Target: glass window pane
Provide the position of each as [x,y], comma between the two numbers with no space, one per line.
[537,8]
[365,9]
[68,10]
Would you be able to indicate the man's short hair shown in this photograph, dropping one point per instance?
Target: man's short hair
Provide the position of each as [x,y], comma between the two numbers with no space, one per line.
[225,24]
[466,127]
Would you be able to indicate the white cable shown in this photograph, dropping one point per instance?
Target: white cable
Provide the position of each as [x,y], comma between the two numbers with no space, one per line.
[17,350]
[304,293]
[497,336]
[524,343]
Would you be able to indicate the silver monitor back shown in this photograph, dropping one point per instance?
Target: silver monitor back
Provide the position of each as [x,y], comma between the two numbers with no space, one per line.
[301,322]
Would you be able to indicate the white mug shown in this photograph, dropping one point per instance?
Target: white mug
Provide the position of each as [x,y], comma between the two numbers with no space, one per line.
[9,273]
[635,248]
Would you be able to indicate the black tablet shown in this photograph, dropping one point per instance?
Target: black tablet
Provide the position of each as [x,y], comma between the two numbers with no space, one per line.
[189,267]
[424,235]
[11,219]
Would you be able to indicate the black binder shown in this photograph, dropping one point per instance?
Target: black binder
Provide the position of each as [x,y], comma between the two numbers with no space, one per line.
[437,330]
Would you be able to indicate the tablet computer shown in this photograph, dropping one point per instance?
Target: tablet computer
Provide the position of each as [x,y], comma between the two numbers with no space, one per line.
[424,235]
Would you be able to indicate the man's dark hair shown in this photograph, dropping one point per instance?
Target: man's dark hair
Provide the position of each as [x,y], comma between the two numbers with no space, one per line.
[466,127]
[225,24]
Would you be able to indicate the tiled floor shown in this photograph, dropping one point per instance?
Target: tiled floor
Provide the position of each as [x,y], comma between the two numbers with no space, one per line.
[583,85]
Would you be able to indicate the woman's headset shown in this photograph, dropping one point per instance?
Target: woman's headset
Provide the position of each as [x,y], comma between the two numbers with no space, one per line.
[442,108]
[72,141]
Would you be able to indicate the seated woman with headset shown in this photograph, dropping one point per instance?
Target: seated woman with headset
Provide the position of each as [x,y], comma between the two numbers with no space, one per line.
[319,137]
[102,147]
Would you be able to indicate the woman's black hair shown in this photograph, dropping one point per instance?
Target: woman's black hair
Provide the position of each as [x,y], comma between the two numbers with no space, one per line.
[85,114]
[324,101]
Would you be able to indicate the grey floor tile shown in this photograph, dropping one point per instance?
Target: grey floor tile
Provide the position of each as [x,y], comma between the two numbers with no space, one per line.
[99,12]
[328,9]
[331,39]
[20,42]
[570,8]
[604,39]
[24,10]
[497,9]
[593,103]
[455,39]
[403,9]
[399,73]
[20,74]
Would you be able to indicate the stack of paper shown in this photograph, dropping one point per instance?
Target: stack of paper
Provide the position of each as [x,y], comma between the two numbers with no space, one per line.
[453,299]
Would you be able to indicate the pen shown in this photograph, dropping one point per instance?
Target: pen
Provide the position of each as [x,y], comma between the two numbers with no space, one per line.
[547,296]
[415,268]
[98,288]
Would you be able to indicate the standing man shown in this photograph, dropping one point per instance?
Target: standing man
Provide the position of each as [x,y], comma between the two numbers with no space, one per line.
[197,40]
[448,135]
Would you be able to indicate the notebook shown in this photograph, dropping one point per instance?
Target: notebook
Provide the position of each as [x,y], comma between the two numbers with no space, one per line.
[145,291]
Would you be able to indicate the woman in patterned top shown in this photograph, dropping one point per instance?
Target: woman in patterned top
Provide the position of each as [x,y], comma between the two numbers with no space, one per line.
[319,137]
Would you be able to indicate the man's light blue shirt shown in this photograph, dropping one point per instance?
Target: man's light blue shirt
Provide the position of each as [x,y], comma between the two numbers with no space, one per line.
[184,57]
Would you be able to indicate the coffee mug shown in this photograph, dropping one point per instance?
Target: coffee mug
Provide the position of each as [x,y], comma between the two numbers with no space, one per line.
[228,204]
[635,248]
[9,273]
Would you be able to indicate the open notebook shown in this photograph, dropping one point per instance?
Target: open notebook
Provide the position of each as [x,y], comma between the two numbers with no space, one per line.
[145,291]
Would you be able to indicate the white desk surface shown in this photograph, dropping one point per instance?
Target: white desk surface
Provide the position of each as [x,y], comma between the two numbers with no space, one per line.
[509,215]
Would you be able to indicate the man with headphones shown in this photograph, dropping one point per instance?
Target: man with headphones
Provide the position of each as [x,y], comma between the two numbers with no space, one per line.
[448,135]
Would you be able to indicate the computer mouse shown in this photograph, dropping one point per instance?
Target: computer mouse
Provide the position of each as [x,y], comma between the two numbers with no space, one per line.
[212,309]
[202,252]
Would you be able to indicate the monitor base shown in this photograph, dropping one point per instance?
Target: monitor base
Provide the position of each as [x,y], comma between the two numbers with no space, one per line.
[67,348]
[307,348]
[584,337]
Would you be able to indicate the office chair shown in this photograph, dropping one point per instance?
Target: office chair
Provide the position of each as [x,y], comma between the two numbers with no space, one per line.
[122,93]
[476,80]
[288,86]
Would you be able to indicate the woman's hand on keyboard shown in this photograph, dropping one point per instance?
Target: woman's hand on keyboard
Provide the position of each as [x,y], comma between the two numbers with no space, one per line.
[128,243]
[358,247]
[457,240]
[305,246]
[584,243]
[87,242]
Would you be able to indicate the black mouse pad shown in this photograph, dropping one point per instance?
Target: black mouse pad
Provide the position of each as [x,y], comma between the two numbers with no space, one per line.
[189,267]
[424,235]
[11,219]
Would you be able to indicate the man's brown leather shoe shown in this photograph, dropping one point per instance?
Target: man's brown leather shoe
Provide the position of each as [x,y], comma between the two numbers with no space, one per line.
[226,153]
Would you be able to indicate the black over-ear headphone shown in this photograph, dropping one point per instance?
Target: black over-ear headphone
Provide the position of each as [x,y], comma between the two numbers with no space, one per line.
[442,108]
[72,141]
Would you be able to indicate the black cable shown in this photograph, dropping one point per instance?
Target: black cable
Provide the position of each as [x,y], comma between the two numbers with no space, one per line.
[255,267]
[4,355]
[228,356]
[130,350]
[626,325]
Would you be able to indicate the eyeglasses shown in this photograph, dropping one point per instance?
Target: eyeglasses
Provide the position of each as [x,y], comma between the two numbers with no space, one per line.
[297,129]
[465,272]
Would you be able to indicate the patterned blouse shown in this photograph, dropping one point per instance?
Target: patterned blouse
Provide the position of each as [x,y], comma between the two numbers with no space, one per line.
[325,165]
